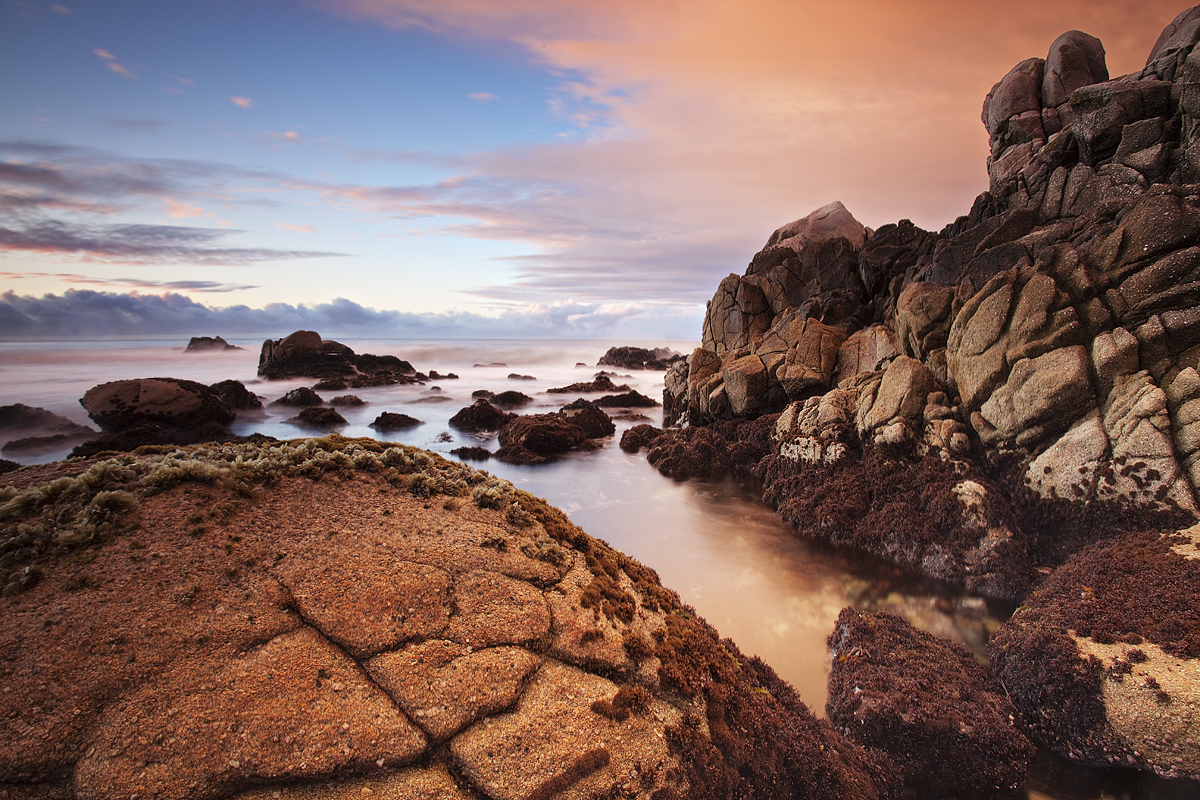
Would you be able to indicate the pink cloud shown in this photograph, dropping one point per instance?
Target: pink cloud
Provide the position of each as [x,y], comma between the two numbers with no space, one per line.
[113,65]
[297,228]
[242,102]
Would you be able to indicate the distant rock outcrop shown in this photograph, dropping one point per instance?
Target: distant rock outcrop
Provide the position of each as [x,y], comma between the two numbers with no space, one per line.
[304,354]
[227,636]
[208,344]
[25,429]
[639,358]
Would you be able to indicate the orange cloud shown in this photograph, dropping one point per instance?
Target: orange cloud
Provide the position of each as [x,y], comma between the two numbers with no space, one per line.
[777,106]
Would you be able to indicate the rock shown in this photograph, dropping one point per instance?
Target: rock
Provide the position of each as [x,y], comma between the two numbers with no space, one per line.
[868,350]
[1075,60]
[318,417]
[306,659]
[535,438]
[471,453]
[602,383]
[306,354]
[745,382]
[299,398]
[347,400]
[202,344]
[30,430]
[391,421]
[899,400]
[923,317]
[120,405]
[1103,662]
[236,396]
[630,399]
[639,436]
[511,399]
[659,358]
[481,416]
[925,702]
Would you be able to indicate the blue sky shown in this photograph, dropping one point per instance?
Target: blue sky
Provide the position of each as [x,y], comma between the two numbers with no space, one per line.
[474,168]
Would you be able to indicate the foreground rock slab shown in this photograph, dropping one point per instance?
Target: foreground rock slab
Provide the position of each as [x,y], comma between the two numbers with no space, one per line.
[338,617]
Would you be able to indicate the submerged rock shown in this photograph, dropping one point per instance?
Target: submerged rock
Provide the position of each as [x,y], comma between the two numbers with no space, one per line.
[352,636]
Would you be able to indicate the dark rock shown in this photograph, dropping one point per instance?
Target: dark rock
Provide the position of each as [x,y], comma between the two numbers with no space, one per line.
[33,430]
[318,417]
[602,383]
[639,436]
[516,377]
[481,416]
[690,453]
[482,394]
[38,444]
[305,354]
[391,421]
[200,344]
[471,453]
[587,417]
[493,364]
[121,405]
[630,399]
[510,399]
[8,466]
[329,385]
[236,396]
[449,376]
[152,434]
[638,358]
[347,400]
[299,398]
[925,702]
[536,438]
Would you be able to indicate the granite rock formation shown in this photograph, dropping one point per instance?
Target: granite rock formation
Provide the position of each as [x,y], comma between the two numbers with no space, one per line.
[337,618]
[978,403]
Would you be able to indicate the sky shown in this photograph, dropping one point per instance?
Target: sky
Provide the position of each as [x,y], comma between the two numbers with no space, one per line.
[475,168]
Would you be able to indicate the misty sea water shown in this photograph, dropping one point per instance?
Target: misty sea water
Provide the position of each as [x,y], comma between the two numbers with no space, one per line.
[716,544]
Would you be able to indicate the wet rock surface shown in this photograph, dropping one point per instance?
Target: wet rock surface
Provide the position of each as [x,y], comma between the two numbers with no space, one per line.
[327,618]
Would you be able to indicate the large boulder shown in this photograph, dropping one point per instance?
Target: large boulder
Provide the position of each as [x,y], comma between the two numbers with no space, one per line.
[479,646]
[120,405]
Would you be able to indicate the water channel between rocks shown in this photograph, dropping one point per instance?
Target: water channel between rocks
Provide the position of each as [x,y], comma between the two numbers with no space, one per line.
[716,544]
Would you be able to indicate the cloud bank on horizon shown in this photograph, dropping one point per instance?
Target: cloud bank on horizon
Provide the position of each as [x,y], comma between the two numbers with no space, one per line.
[533,167]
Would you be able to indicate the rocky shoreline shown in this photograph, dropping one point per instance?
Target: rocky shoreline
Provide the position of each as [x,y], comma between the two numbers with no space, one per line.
[1010,405]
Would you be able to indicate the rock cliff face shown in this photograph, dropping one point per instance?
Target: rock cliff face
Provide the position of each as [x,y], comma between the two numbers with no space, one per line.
[980,402]
[337,618]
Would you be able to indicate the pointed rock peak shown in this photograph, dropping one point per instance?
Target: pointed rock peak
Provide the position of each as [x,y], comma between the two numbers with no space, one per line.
[825,224]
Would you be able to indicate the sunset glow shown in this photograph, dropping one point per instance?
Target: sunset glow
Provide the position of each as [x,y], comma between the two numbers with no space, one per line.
[462,167]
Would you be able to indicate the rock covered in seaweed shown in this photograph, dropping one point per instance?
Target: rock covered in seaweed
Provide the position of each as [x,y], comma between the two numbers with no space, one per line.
[1103,661]
[927,703]
[244,628]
